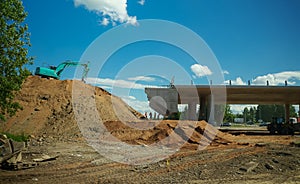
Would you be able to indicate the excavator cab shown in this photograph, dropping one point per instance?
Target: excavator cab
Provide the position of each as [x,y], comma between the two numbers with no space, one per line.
[52,67]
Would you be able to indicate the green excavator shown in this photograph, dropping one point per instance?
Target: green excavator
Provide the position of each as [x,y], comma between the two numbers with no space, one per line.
[55,71]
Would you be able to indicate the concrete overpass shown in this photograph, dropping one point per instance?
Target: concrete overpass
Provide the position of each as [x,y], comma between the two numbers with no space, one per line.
[166,100]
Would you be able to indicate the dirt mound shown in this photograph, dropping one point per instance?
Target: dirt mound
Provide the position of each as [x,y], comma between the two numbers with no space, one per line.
[48,111]
[190,134]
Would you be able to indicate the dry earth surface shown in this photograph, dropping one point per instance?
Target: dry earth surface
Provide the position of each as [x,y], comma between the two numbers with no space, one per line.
[48,116]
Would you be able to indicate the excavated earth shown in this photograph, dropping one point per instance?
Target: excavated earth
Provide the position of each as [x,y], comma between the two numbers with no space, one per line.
[203,153]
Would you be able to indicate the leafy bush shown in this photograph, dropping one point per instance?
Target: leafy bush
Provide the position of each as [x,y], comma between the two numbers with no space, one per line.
[18,138]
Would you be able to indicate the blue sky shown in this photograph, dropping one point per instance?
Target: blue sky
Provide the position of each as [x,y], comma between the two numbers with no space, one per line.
[254,40]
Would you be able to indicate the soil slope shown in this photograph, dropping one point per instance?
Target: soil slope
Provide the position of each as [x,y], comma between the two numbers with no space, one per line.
[47,109]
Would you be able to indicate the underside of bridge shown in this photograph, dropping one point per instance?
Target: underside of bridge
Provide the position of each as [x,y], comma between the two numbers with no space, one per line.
[165,100]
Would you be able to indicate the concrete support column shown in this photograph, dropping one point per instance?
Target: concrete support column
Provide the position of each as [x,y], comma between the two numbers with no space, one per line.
[202,111]
[211,110]
[192,114]
[287,112]
[208,106]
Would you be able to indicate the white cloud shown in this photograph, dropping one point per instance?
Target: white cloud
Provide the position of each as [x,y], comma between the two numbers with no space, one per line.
[128,98]
[225,72]
[113,11]
[278,78]
[132,97]
[117,83]
[200,70]
[105,21]
[141,2]
[141,106]
[142,78]
[238,109]
[237,81]
[274,79]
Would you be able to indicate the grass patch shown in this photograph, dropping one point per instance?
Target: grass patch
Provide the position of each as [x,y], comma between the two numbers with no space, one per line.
[18,138]
[237,125]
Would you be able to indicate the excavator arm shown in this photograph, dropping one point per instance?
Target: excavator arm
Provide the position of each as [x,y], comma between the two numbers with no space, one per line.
[60,68]
[63,65]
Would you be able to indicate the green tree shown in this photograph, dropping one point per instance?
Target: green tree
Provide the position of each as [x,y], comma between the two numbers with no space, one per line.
[279,110]
[293,112]
[246,114]
[252,114]
[266,112]
[228,116]
[14,43]
[258,113]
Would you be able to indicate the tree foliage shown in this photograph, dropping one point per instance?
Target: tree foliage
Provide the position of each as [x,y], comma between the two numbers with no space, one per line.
[228,115]
[249,114]
[266,112]
[293,112]
[14,43]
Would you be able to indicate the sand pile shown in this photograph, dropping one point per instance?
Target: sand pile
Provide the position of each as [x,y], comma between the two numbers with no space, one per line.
[48,112]
[170,132]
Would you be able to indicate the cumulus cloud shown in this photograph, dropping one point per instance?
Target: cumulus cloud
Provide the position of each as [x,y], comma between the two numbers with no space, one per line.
[142,78]
[237,81]
[113,11]
[141,2]
[201,70]
[238,109]
[278,78]
[274,79]
[117,83]
[105,21]
[225,72]
[141,106]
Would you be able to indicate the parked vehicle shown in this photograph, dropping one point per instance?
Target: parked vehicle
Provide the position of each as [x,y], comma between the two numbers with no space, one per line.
[226,124]
[263,124]
[250,123]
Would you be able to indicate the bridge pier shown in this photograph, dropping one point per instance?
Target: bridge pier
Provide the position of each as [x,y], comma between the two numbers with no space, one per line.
[287,112]
[192,112]
[203,109]
[211,109]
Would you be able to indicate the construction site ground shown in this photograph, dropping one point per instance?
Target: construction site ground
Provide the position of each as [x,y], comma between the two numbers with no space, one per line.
[48,117]
[261,159]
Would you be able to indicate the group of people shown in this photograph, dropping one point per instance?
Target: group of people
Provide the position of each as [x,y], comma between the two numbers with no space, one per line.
[152,116]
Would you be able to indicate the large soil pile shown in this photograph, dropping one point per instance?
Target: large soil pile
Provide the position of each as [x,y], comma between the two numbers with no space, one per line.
[48,114]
